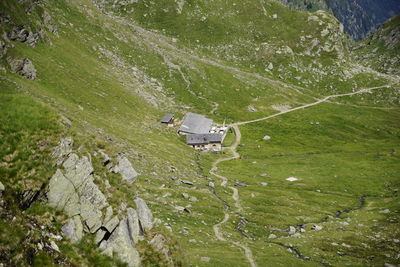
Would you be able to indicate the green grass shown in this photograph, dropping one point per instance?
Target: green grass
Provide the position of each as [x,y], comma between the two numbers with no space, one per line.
[351,152]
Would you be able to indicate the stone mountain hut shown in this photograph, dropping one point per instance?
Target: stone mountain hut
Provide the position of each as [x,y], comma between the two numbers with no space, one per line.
[168,119]
[195,124]
[209,141]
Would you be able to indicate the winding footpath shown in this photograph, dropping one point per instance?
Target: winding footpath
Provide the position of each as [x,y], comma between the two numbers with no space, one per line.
[235,196]
[235,155]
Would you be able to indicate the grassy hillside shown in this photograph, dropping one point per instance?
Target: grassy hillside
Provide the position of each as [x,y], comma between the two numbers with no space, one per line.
[381,50]
[359,17]
[106,74]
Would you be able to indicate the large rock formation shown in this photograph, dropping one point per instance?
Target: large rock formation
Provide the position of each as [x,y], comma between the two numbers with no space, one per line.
[121,244]
[23,67]
[21,34]
[72,190]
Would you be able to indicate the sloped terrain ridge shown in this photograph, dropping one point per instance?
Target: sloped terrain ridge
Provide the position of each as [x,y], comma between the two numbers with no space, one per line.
[381,50]
[359,17]
[309,168]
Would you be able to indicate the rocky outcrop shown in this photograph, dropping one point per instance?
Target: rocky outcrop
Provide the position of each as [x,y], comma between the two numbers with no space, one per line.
[129,231]
[121,245]
[124,167]
[23,67]
[144,214]
[21,34]
[133,225]
[63,149]
[73,191]
[48,23]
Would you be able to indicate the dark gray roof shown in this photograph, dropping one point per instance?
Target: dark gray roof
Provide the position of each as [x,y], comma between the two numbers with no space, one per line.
[195,124]
[167,118]
[202,139]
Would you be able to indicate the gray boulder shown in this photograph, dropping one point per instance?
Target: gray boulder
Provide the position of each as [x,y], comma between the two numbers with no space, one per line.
[62,195]
[32,39]
[272,236]
[111,224]
[121,245]
[18,33]
[21,34]
[144,214]
[74,192]
[100,234]
[316,227]
[109,214]
[133,224]
[23,67]
[126,170]
[73,229]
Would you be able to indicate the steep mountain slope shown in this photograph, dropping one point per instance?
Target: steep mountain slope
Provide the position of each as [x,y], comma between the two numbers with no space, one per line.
[381,50]
[105,72]
[359,17]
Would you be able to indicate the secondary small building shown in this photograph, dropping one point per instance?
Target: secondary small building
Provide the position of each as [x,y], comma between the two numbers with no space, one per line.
[168,119]
[208,141]
[195,124]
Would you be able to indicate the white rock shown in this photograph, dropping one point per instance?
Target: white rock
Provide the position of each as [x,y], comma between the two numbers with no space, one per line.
[205,259]
[54,246]
[193,199]
[292,179]
[317,227]
[272,236]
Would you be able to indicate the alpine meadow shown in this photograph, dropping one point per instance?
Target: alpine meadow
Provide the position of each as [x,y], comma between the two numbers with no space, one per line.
[199,133]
